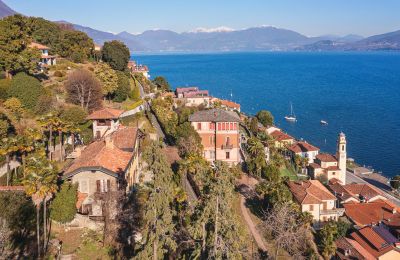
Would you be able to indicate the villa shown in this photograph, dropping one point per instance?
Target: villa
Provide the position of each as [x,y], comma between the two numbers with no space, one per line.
[304,150]
[281,139]
[314,198]
[105,121]
[138,68]
[45,59]
[219,132]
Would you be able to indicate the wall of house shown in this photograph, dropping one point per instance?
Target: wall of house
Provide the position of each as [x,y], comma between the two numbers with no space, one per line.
[317,210]
[132,175]
[326,164]
[197,101]
[106,129]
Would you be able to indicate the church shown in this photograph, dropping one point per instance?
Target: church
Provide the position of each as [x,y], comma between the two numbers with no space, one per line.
[331,167]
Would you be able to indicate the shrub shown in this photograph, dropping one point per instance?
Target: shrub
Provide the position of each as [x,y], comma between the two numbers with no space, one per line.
[45,103]
[122,91]
[5,85]
[27,89]
[58,73]
[63,208]
[74,115]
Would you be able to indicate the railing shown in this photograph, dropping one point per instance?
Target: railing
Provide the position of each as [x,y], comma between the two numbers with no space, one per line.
[336,211]
[226,146]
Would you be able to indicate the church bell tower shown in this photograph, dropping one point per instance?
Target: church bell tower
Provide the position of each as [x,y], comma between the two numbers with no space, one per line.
[341,156]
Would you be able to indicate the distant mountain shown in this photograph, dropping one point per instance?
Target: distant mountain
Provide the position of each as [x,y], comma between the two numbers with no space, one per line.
[5,10]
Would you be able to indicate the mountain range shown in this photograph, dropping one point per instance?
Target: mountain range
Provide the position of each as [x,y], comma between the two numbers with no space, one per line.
[263,38]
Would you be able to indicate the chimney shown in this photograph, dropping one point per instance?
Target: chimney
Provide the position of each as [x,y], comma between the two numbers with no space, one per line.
[347,252]
[109,142]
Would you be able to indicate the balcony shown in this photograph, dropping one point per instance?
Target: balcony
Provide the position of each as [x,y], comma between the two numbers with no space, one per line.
[336,211]
[226,146]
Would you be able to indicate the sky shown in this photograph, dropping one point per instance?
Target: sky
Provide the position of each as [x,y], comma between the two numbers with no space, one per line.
[309,17]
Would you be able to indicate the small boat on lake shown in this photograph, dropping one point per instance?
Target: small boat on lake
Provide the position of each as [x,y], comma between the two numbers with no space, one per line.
[323,122]
[292,116]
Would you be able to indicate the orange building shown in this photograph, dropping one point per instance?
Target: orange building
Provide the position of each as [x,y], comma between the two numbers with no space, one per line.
[219,132]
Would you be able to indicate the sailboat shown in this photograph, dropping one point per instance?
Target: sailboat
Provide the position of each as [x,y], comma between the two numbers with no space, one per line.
[292,116]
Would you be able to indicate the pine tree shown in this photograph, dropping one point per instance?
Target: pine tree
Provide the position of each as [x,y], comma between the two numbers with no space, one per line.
[159,211]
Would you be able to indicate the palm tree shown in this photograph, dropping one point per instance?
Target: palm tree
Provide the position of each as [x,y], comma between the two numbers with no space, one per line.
[48,124]
[8,147]
[255,147]
[40,184]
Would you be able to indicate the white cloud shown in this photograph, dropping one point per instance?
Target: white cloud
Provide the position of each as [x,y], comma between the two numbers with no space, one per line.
[211,30]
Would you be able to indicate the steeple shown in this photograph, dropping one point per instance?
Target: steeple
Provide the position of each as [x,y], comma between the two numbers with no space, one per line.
[341,156]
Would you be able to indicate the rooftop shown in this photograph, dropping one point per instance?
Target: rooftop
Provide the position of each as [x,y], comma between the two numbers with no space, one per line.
[280,136]
[355,190]
[303,147]
[214,115]
[199,93]
[187,89]
[106,113]
[310,192]
[326,157]
[347,248]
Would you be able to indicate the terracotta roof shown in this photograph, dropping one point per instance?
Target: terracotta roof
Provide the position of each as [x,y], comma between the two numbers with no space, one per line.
[38,46]
[301,146]
[333,168]
[310,192]
[193,94]
[109,153]
[372,242]
[12,188]
[106,113]
[355,190]
[228,103]
[314,166]
[280,136]
[326,157]
[363,214]
[353,248]
[214,115]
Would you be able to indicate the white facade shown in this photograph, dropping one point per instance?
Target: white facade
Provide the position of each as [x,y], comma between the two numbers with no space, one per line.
[341,156]
[104,127]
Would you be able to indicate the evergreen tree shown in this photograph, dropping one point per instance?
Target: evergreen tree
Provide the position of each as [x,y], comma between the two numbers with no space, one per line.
[123,89]
[116,54]
[265,117]
[27,89]
[162,84]
[159,211]
[108,78]
[215,223]
[63,208]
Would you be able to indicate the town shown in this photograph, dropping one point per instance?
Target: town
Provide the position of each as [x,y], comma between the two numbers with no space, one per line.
[100,160]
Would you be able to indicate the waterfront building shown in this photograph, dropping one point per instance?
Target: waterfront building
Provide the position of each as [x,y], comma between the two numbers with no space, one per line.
[226,104]
[355,192]
[304,150]
[314,198]
[104,167]
[45,58]
[138,68]
[180,92]
[219,132]
[197,98]
[105,121]
[281,139]
[331,167]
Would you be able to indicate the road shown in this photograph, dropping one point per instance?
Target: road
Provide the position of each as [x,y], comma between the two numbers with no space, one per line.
[350,178]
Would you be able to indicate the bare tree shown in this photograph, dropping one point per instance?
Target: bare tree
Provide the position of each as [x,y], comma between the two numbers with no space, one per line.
[283,223]
[84,89]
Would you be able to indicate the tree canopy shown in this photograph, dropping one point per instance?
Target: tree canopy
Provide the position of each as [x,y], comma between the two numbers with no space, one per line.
[63,208]
[108,78]
[27,89]
[123,90]
[116,54]
[162,83]
[265,117]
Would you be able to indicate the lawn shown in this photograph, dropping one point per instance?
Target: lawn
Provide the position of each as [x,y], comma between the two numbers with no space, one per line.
[289,173]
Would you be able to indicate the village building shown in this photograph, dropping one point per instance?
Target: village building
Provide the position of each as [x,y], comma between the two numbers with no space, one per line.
[179,92]
[105,121]
[355,192]
[104,167]
[219,132]
[138,68]
[314,198]
[348,248]
[197,98]
[45,58]
[331,167]
[281,139]
[378,242]
[270,129]
[226,104]
[304,150]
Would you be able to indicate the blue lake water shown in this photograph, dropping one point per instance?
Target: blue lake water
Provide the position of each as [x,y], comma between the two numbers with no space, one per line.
[357,93]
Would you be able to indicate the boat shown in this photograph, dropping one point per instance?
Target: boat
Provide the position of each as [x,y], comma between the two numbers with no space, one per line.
[292,116]
[323,122]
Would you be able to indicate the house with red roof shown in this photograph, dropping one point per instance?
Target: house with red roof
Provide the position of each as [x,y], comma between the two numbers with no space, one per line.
[105,121]
[282,139]
[105,166]
[314,198]
[304,150]
[45,58]
[355,192]
[226,104]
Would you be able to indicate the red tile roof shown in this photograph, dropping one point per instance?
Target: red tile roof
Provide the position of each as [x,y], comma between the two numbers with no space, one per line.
[372,242]
[363,214]
[353,248]
[106,113]
[113,153]
[355,190]
[333,168]
[281,136]
[310,192]
[301,146]
[228,103]
[314,166]
[188,89]
[326,157]
[38,46]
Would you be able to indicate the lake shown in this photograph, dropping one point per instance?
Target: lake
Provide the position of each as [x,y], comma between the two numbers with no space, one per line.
[357,93]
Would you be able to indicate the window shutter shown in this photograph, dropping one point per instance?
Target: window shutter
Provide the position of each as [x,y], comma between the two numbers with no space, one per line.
[98,185]
[108,185]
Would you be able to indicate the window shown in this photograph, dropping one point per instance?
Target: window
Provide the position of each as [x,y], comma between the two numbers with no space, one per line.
[219,127]
[311,207]
[227,155]
[230,126]
[103,185]
[234,126]
[333,173]
[223,126]
[199,126]
[228,140]
[212,126]
[342,147]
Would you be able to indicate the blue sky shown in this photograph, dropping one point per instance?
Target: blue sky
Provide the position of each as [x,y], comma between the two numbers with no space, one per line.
[309,17]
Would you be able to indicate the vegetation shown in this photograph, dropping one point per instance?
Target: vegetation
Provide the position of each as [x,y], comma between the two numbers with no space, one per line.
[63,207]
[395,182]
[265,117]
[162,84]
[123,89]
[27,89]
[116,54]
[108,78]
[326,237]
